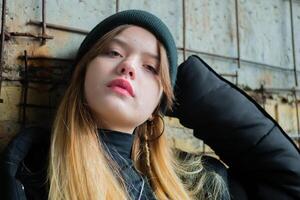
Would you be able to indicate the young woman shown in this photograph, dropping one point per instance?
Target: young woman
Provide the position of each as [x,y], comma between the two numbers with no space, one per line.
[107,140]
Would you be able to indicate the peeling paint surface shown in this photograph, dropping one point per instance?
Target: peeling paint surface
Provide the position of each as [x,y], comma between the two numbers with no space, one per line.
[211,25]
[265,29]
[170,12]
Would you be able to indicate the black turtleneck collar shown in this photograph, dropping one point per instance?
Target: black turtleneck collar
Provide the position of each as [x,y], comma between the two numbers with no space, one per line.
[120,141]
[118,145]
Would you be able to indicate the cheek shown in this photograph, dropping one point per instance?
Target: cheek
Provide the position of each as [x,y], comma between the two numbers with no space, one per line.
[151,94]
[90,81]
[93,79]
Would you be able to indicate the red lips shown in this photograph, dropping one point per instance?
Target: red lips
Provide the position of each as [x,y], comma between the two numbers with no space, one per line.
[122,83]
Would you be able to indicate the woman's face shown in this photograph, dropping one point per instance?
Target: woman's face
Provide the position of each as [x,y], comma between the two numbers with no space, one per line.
[122,84]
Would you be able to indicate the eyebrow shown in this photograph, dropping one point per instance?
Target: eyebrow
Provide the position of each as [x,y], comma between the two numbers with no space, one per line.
[124,43]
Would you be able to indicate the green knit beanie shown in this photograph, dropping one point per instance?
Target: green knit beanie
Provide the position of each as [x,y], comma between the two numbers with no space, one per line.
[139,18]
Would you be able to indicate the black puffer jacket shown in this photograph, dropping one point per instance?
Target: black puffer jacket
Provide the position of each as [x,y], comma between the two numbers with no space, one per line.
[263,161]
[24,165]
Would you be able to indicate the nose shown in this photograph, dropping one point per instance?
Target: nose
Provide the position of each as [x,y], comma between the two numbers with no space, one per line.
[127,68]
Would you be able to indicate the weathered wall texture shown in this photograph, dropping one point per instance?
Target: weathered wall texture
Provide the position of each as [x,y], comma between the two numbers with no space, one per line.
[252,43]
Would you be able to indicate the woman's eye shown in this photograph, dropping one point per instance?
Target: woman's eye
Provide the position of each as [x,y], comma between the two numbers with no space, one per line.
[151,69]
[113,53]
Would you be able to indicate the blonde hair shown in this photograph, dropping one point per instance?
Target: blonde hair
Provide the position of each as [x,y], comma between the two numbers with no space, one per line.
[78,162]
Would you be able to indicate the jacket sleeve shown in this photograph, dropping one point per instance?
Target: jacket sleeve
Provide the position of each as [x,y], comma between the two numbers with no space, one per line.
[12,182]
[260,155]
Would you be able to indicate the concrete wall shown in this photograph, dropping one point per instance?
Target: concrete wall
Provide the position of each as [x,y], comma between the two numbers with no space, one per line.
[259,35]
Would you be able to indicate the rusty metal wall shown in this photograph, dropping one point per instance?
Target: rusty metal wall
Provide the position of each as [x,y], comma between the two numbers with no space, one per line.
[252,43]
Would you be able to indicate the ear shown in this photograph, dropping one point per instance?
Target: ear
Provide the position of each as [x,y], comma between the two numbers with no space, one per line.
[151,117]
[156,110]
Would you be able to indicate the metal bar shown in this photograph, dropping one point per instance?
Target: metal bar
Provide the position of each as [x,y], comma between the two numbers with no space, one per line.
[117,6]
[3,20]
[183,30]
[48,67]
[266,65]
[37,36]
[59,27]
[44,21]
[25,85]
[208,54]
[262,95]
[229,75]
[45,82]
[236,59]
[35,106]
[237,33]
[42,82]
[276,112]
[237,77]
[46,58]
[281,89]
[293,42]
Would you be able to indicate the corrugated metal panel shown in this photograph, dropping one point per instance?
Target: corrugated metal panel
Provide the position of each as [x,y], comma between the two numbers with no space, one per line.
[254,76]
[210,27]
[169,11]
[265,29]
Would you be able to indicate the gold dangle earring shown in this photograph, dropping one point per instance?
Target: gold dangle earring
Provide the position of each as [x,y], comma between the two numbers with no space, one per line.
[150,125]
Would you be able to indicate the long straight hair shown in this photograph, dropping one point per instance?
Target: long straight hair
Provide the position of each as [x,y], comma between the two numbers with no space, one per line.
[80,168]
